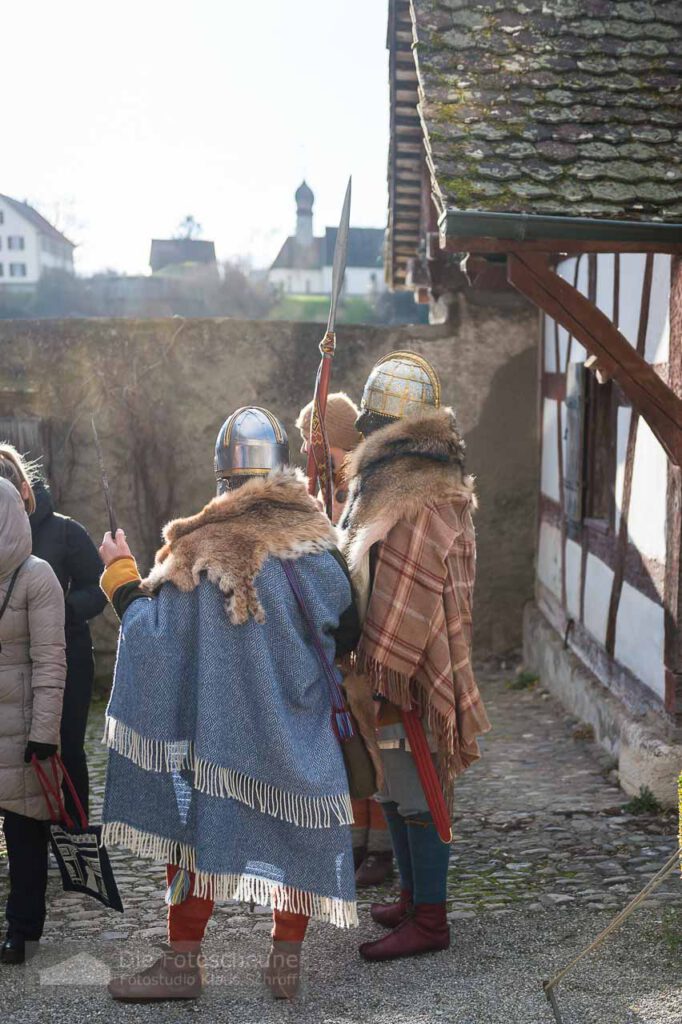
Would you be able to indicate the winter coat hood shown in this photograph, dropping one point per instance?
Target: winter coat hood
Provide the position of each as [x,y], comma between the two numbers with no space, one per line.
[15,530]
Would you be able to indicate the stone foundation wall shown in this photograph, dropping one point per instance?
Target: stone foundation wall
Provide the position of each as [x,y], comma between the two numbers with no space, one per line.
[160,390]
[647,748]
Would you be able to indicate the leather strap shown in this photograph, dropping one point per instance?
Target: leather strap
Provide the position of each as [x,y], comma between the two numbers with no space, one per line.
[336,694]
[52,792]
[10,588]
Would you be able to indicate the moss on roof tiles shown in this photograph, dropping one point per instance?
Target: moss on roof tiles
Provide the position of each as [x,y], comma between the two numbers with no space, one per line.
[564,106]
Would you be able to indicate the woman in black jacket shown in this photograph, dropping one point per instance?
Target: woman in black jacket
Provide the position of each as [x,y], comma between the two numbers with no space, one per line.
[66,545]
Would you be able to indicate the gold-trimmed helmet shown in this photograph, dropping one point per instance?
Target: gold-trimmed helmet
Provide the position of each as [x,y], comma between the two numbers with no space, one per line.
[401,384]
[251,442]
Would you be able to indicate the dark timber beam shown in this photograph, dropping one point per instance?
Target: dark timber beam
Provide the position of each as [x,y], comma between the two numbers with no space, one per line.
[531,275]
[483,232]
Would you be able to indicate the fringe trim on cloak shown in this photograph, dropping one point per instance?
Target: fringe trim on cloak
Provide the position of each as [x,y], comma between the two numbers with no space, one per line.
[244,887]
[214,780]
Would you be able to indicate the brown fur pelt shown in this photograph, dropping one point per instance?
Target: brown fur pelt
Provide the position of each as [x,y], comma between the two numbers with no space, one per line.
[399,469]
[233,535]
[364,708]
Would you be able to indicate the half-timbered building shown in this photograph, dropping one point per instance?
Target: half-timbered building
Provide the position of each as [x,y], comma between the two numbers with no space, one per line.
[539,145]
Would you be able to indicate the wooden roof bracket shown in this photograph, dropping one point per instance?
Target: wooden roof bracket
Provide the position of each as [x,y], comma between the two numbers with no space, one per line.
[530,274]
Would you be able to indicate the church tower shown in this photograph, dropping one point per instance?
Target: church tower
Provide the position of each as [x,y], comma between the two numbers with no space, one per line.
[304,214]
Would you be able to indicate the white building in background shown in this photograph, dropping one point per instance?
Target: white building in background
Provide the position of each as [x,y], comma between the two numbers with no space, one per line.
[29,245]
[304,263]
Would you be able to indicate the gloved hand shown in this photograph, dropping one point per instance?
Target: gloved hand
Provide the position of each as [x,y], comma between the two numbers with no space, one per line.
[41,750]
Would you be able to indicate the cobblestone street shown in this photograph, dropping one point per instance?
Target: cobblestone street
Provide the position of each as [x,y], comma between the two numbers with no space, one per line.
[545,853]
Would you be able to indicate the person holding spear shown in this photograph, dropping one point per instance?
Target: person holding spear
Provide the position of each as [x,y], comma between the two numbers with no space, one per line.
[372,850]
[410,544]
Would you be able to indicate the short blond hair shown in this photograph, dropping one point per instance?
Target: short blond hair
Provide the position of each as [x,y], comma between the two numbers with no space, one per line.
[18,470]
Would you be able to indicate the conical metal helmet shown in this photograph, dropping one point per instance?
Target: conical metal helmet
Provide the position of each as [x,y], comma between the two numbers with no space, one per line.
[251,442]
[401,384]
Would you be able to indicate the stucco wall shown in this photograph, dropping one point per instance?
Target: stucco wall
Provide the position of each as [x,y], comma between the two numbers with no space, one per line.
[161,388]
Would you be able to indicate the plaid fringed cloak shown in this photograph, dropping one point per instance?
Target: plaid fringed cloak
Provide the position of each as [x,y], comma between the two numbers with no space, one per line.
[410,497]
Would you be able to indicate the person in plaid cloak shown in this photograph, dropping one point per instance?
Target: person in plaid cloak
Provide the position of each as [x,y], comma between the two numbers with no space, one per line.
[372,851]
[410,543]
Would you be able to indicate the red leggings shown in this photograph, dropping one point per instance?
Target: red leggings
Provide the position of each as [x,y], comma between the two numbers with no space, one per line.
[187,920]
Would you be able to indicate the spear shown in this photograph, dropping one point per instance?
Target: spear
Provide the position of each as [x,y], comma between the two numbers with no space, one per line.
[105,482]
[319,468]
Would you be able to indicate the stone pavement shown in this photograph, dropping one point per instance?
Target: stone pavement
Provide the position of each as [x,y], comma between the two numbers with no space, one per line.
[544,855]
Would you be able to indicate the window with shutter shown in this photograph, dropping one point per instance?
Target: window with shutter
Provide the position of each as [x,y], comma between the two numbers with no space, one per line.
[600,452]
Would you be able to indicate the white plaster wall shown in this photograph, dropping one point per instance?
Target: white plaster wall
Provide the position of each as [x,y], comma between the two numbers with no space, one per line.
[630,294]
[583,276]
[566,270]
[573,576]
[550,461]
[578,352]
[640,638]
[624,417]
[640,630]
[14,224]
[598,582]
[658,331]
[49,261]
[549,558]
[548,341]
[647,518]
[295,281]
[358,281]
[606,264]
[563,346]
[364,280]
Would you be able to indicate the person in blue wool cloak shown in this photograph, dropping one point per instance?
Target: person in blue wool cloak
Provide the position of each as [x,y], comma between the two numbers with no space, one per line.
[223,760]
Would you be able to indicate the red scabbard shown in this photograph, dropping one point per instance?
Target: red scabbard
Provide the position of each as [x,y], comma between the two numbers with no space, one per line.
[428,776]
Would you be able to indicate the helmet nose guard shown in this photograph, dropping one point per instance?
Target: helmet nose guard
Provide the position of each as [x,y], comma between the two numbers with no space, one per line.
[251,442]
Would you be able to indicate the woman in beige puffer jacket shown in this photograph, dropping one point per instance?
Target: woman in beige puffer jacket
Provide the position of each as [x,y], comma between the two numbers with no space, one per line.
[32,673]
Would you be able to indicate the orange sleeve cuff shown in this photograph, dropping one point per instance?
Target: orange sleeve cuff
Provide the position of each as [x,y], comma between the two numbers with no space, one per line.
[117,574]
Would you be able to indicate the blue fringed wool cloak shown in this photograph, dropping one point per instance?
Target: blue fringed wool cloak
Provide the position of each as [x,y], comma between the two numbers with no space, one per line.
[222,755]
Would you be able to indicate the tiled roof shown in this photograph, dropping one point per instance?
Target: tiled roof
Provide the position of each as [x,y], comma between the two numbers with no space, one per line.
[566,107]
[365,249]
[294,256]
[37,219]
[166,252]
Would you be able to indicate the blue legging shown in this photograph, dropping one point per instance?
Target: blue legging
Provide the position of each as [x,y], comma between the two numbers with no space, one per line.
[421,855]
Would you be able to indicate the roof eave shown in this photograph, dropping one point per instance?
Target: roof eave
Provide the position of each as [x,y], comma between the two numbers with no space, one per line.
[485,232]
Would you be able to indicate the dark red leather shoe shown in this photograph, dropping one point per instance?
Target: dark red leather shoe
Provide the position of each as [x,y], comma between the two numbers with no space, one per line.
[424,931]
[390,915]
[375,869]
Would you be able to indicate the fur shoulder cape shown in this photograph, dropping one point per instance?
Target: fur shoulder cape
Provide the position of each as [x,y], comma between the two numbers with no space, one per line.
[397,471]
[233,535]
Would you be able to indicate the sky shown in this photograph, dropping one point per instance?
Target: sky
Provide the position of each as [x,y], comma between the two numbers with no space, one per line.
[128,116]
